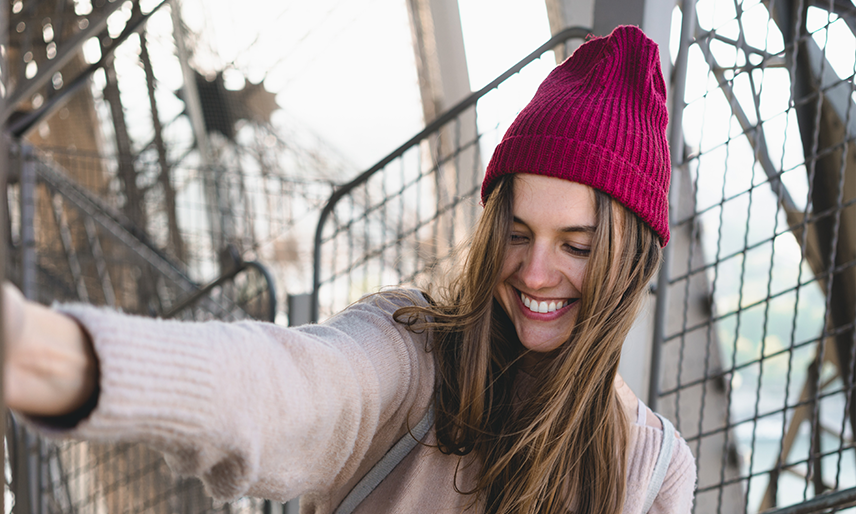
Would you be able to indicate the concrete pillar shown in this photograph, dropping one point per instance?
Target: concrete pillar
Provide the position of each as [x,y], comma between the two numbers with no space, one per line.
[440,59]
[652,16]
[443,82]
[569,13]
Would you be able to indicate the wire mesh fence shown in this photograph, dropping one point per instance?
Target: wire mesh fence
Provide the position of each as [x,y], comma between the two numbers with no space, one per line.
[105,91]
[404,220]
[84,477]
[68,245]
[131,185]
[758,346]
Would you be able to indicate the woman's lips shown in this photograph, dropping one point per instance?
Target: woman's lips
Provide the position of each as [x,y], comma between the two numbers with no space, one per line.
[544,309]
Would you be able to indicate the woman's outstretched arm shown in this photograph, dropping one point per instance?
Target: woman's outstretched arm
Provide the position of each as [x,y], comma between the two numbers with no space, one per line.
[50,367]
[251,408]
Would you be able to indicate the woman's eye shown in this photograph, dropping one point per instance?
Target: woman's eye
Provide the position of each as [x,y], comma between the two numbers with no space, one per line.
[517,238]
[580,252]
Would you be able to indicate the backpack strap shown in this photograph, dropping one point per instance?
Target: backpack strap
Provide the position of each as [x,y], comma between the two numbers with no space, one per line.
[386,464]
[662,464]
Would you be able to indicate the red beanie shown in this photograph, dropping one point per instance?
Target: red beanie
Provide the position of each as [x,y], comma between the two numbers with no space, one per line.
[599,119]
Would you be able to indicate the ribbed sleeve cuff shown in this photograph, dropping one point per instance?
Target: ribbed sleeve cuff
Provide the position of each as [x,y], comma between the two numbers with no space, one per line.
[149,384]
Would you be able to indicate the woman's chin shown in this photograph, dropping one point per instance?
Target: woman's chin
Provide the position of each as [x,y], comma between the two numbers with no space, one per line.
[543,337]
[542,343]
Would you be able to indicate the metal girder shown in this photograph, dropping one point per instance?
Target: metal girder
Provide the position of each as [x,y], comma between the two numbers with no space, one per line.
[64,229]
[23,125]
[92,207]
[100,263]
[96,23]
[756,137]
[827,125]
[114,225]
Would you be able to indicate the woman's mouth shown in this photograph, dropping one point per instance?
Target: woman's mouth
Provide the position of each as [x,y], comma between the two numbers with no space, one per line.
[546,306]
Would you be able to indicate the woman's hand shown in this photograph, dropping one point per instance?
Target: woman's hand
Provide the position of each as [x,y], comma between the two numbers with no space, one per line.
[628,399]
[50,368]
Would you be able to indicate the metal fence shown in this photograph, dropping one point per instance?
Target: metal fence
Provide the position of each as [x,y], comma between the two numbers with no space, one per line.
[758,337]
[189,165]
[68,245]
[405,219]
[136,204]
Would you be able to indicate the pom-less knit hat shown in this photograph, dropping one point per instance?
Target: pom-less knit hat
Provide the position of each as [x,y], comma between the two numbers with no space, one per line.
[599,119]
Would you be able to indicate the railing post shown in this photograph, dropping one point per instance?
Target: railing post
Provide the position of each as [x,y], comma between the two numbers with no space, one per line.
[29,285]
[29,448]
[299,309]
[676,146]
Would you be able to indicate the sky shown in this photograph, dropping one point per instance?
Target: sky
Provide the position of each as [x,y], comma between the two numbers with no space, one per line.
[346,69]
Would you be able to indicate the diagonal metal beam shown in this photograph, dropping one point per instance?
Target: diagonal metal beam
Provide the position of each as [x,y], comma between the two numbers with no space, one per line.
[100,263]
[94,208]
[68,245]
[117,226]
[794,216]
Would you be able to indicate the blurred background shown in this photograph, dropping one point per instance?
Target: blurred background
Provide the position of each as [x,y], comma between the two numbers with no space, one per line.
[277,160]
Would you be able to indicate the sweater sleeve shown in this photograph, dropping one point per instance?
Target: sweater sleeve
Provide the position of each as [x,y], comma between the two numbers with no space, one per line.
[257,409]
[676,493]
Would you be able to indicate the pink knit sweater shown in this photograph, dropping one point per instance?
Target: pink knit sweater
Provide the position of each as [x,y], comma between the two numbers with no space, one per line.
[255,409]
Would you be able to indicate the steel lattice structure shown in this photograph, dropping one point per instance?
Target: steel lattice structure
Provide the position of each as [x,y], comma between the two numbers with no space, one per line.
[754,327]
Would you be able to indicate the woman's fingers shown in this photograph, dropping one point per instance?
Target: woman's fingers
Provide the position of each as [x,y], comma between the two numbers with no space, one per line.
[49,366]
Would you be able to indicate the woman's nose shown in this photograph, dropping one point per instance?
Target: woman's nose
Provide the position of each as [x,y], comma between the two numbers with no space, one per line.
[537,270]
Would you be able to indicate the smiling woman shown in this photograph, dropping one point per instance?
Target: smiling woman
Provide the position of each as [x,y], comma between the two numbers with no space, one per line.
[542,277]
[499,395]
[528,339]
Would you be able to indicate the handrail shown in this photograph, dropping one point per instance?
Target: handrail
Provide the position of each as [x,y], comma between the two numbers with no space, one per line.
[196,296]
[338,194]
[820,503]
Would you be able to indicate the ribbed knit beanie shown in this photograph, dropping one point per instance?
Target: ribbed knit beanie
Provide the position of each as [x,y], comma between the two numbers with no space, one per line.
[599,119]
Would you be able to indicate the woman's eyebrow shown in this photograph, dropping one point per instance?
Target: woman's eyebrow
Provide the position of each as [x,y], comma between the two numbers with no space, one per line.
[589,229]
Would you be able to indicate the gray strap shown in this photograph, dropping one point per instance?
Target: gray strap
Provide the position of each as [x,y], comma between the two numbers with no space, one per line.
[385,465]
[662,465]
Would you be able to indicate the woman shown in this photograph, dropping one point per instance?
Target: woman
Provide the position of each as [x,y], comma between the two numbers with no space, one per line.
[516,361]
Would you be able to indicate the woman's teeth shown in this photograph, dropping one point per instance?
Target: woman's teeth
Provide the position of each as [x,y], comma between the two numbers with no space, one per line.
[542,307]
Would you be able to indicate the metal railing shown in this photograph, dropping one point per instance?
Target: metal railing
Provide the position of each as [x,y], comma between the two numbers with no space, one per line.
[248,285]
[71,246]
[115,204]
[757,314]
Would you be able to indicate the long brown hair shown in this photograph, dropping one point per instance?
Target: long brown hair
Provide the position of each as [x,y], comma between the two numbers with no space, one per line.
[564,447]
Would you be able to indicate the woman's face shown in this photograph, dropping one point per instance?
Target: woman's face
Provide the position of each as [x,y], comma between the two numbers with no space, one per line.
[541,280]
